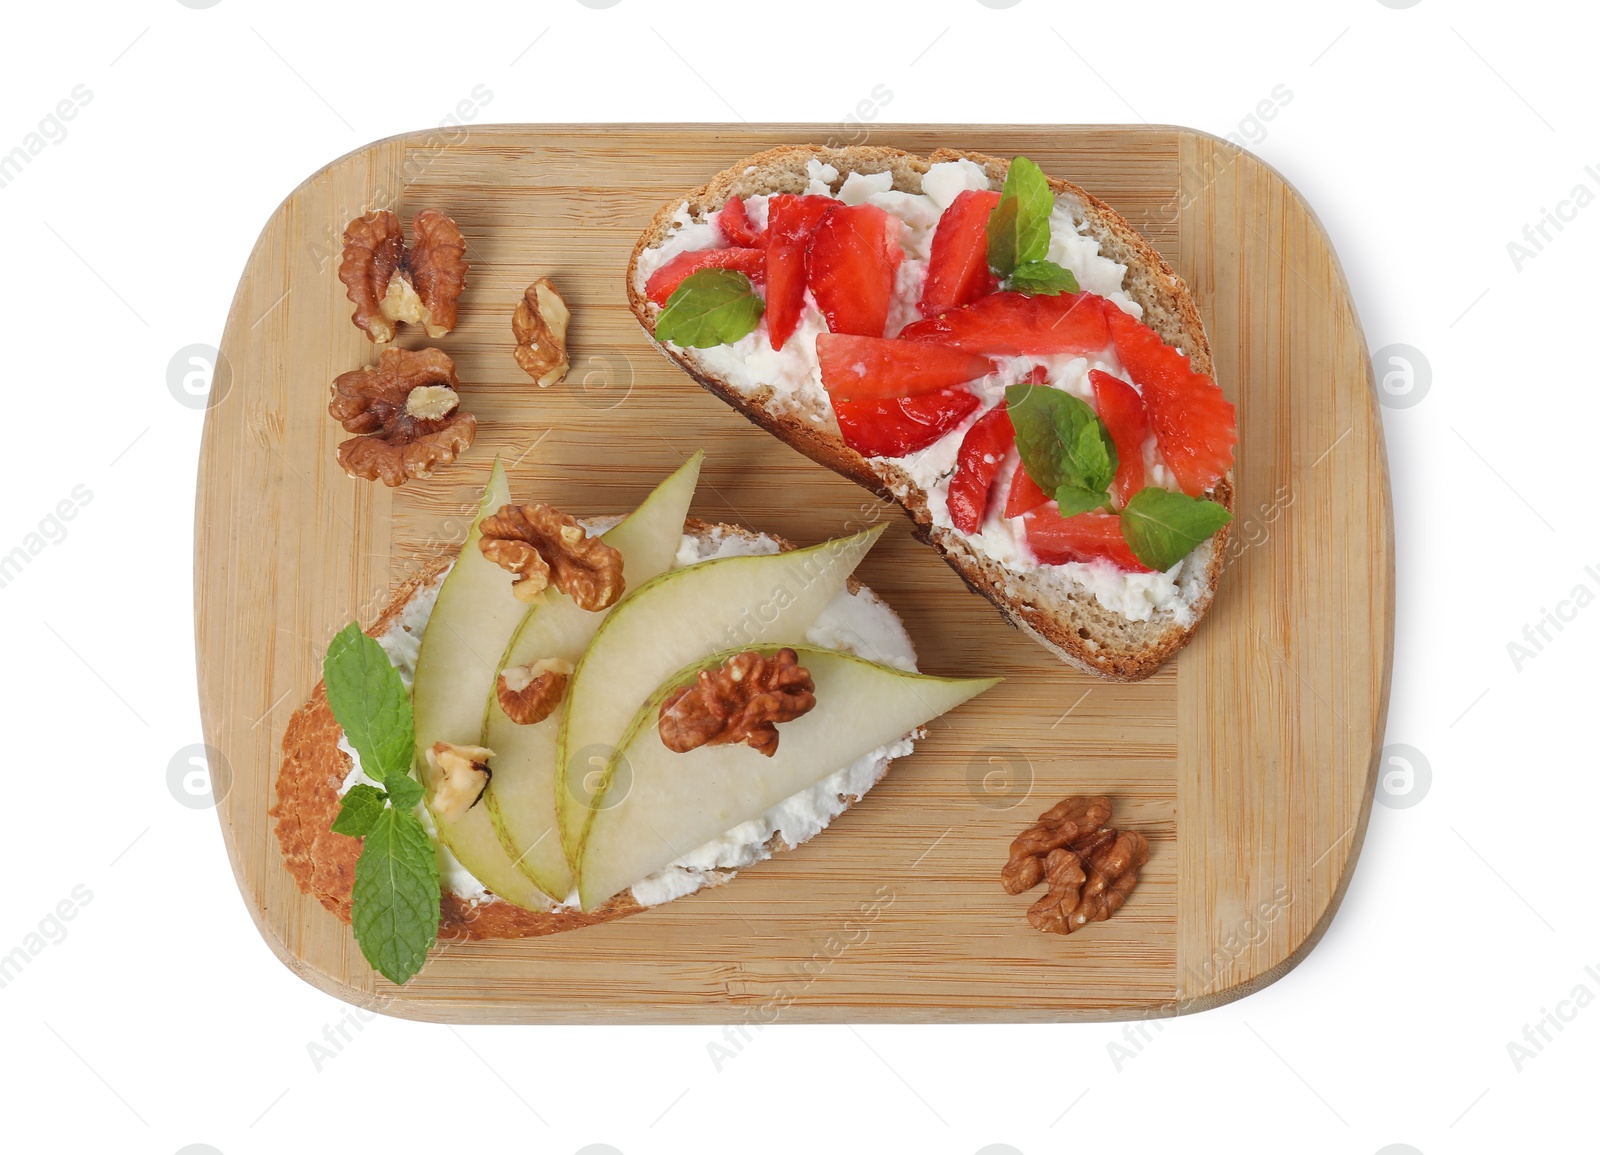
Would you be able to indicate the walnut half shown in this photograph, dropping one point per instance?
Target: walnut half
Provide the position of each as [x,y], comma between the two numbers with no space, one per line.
[741,701]
[1089,868]
[530,693]
[389,284]
[1090,884]
[540,327]
[1067,822]
[406,412]
[541,546]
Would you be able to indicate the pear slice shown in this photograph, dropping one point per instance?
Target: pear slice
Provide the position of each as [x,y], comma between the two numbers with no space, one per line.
[472,620]
[664,804]
[522,793]
[676,619]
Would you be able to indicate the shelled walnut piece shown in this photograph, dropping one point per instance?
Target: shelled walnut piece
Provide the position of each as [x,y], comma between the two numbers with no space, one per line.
[530,693]
[540,327]
[541,546]
[1088,867]
[1068,821]
[463,776]
[740,701]
[407,414]
[1089,883]
[389,283]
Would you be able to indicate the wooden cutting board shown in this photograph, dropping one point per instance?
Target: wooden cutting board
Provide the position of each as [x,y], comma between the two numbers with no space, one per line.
[1249,761]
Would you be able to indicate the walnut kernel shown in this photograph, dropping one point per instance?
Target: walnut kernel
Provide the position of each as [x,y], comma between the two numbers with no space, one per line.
[389,284]
[1067,822]
[463,776]
[405,411]
[740,701]
[530,693]
[541,546]
[1089,868]
[1089,885]
[540,327]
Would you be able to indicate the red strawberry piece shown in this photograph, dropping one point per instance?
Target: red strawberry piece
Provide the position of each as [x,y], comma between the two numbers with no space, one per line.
[1122,409]
[751,262]
[737,227]
[902,425]
[790,219]
[978,461]
[1025,494]
[1085,537]
[958,263]
[1195,425]
[850,267]
[1013,324]
[863,368]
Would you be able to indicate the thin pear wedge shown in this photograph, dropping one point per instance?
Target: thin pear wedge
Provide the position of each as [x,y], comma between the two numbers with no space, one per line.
[676,619]
[522,793]
[662,804]
[472,620]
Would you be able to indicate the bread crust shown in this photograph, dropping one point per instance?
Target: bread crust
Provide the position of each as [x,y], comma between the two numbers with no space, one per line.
[323,863]
[1071,624]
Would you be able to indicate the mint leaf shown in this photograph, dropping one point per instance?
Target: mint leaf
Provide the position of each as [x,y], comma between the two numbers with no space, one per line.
[369,702]
[359,810]
[1003,236]
[1041,279]
[711,307]
[404,791]
[395,900]
[1019,226]
[1062,442]
[1161,527]
[1073,499]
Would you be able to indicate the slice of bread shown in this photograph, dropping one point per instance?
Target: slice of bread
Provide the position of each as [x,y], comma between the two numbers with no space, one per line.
[1069,621]
[323,863]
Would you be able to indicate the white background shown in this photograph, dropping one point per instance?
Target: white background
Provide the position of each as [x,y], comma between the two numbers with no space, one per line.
[1427,138]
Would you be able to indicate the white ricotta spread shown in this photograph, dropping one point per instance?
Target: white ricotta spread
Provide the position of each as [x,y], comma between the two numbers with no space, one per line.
[794,378]
[857,623]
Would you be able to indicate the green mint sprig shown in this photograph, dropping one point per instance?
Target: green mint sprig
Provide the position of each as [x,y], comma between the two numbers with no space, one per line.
[1162,527]
[711,307]
[1019,234]
[395,899]
[1019,226]
[1065,448]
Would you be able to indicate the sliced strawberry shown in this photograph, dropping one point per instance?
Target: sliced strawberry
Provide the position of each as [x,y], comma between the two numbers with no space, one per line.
[958,263]
[978,461]
[737,227]
[1122,409]
[1012,324]
[751,262]
[850,267]
[1085,537]
[790,219]
[902,425]
[863,368]
[1195,425]
[1025,494]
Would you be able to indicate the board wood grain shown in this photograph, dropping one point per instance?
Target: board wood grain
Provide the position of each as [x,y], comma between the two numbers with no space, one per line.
[1249,761]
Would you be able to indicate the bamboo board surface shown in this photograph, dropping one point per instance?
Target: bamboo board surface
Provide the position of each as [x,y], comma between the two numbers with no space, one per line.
[1248,761]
